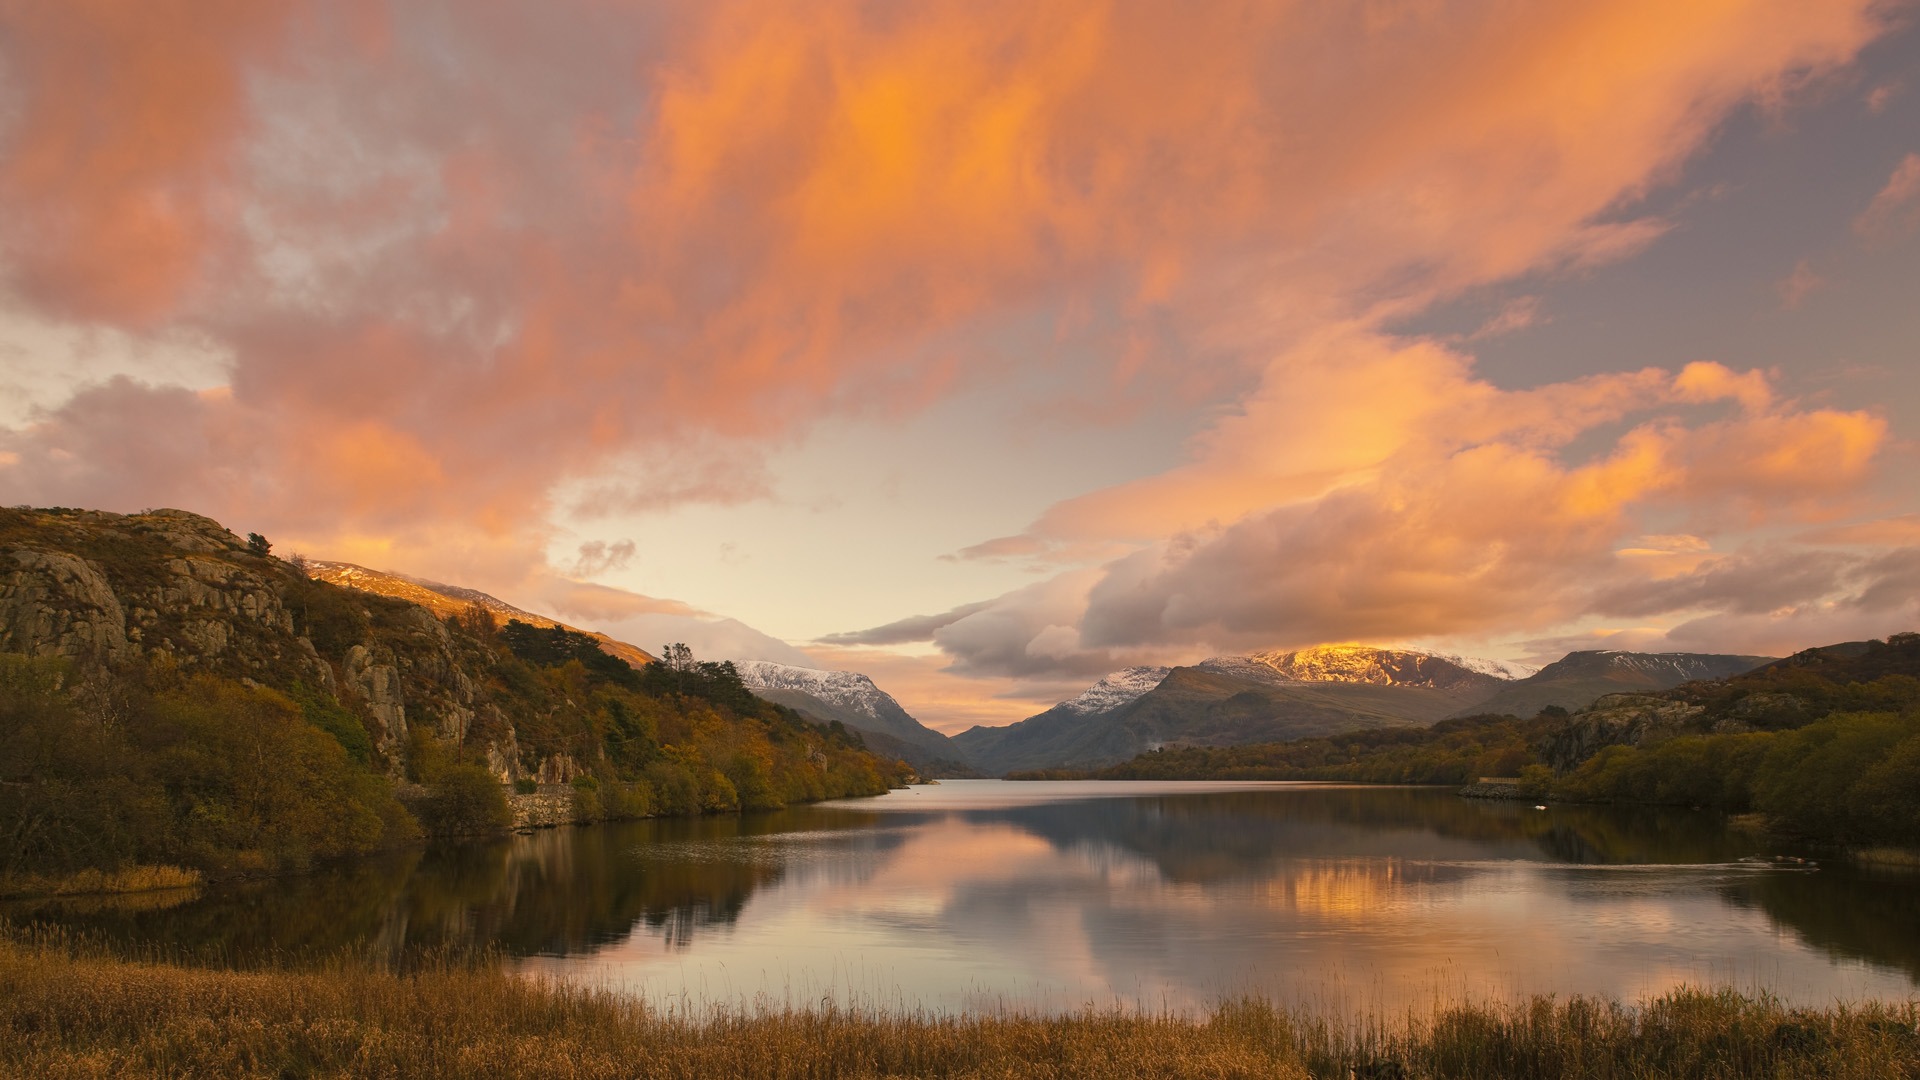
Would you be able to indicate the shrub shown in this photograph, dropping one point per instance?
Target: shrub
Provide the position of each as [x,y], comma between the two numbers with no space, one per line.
[465,800]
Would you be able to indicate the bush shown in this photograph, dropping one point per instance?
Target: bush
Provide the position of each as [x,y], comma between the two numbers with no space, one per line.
[1836,777]
[1692,770]
[465,800]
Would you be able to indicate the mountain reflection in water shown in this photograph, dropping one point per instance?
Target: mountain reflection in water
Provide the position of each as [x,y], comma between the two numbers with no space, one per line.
[975,893]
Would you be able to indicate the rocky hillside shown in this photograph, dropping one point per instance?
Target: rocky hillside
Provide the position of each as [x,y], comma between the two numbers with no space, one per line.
[1227,701]
[119,593]
[447,601]
[111,590]
[854,700]
[1778,695]
[1581,678]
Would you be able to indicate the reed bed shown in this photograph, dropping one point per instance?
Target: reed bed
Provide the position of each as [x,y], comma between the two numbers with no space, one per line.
[74,1008]
[91,882]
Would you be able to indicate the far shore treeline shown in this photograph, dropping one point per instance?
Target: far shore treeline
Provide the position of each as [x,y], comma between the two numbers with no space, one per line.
[249,720]
[1825,744]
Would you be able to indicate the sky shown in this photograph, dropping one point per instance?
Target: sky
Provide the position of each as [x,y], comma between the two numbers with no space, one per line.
[989,347]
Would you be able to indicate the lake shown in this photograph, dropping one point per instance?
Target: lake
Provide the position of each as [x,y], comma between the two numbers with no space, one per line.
[1047,896]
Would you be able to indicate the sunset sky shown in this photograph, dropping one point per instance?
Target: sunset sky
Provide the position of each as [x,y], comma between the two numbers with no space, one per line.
[988,347]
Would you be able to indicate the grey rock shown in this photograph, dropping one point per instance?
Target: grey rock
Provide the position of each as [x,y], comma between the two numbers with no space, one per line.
[56,604]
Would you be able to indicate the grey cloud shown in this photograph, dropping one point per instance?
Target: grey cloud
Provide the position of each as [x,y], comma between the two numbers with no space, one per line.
[907,630]
[598,557]
[1749,583]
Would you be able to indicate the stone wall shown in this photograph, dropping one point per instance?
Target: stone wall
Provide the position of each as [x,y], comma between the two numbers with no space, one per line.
[546,808]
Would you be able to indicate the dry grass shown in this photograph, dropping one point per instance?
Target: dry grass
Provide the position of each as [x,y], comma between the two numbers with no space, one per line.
[133,879]
[1907,858]
[71,1009]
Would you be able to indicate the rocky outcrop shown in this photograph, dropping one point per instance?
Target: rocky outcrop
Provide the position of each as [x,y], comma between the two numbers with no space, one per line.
[110,589]
[558,769]
[54,604]
[379,686]
[1618,720]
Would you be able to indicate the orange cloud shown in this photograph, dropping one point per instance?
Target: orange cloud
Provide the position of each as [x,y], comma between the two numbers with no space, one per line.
[472,269]
[116,174]
[1454,509]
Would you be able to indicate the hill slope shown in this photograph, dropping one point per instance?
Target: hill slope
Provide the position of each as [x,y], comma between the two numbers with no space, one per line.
[447,601]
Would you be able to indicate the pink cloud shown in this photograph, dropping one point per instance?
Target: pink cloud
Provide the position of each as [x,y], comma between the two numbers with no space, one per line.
[1794,289]
[1895,210]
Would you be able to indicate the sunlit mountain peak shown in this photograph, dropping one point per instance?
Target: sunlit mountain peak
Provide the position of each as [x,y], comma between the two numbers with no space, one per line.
[1351,662]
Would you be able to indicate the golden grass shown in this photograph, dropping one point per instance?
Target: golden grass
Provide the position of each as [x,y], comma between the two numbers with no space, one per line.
[1887,856]
[92,882]
[73,1009]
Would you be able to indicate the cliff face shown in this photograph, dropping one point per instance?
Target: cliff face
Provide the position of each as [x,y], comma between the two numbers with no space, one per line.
[174,587]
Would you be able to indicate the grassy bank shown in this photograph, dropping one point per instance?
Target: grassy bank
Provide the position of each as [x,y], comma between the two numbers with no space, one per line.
[70,1009]
[92,882]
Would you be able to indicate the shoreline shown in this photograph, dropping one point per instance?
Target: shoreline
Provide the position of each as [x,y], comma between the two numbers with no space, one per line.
[76,1006]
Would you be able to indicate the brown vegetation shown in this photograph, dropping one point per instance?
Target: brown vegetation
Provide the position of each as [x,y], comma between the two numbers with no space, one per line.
[92,882]
[72,1009]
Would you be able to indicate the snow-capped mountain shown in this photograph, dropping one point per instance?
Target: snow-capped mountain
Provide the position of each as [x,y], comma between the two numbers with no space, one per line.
[1365,664]
[1499,669]
[1230,700]
[1115,690]
[1575,680]
[854,700]
[848,690]
[1682,667]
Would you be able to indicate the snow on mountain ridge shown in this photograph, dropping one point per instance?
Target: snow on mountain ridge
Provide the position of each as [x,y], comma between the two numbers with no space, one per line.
[1687,664]
[1361,664]
[1499,669]
[846,689]
[1115,689]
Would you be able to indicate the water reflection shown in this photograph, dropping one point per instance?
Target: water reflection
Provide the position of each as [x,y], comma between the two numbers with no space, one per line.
[1040,895]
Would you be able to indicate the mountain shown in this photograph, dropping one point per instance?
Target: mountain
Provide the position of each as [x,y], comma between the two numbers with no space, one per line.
[1580,678]
[1230,700]
[448,600]
[1114,690]
[1368,665]
[1852,676]
[855,701]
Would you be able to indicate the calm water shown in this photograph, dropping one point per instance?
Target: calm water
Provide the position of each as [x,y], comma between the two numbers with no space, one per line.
[981,894]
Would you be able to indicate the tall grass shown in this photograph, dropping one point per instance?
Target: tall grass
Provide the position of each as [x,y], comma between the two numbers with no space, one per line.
[92,882]
[71,1008]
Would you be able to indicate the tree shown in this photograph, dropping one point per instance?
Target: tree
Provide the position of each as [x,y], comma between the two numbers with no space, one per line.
[257,545]
[298,561]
